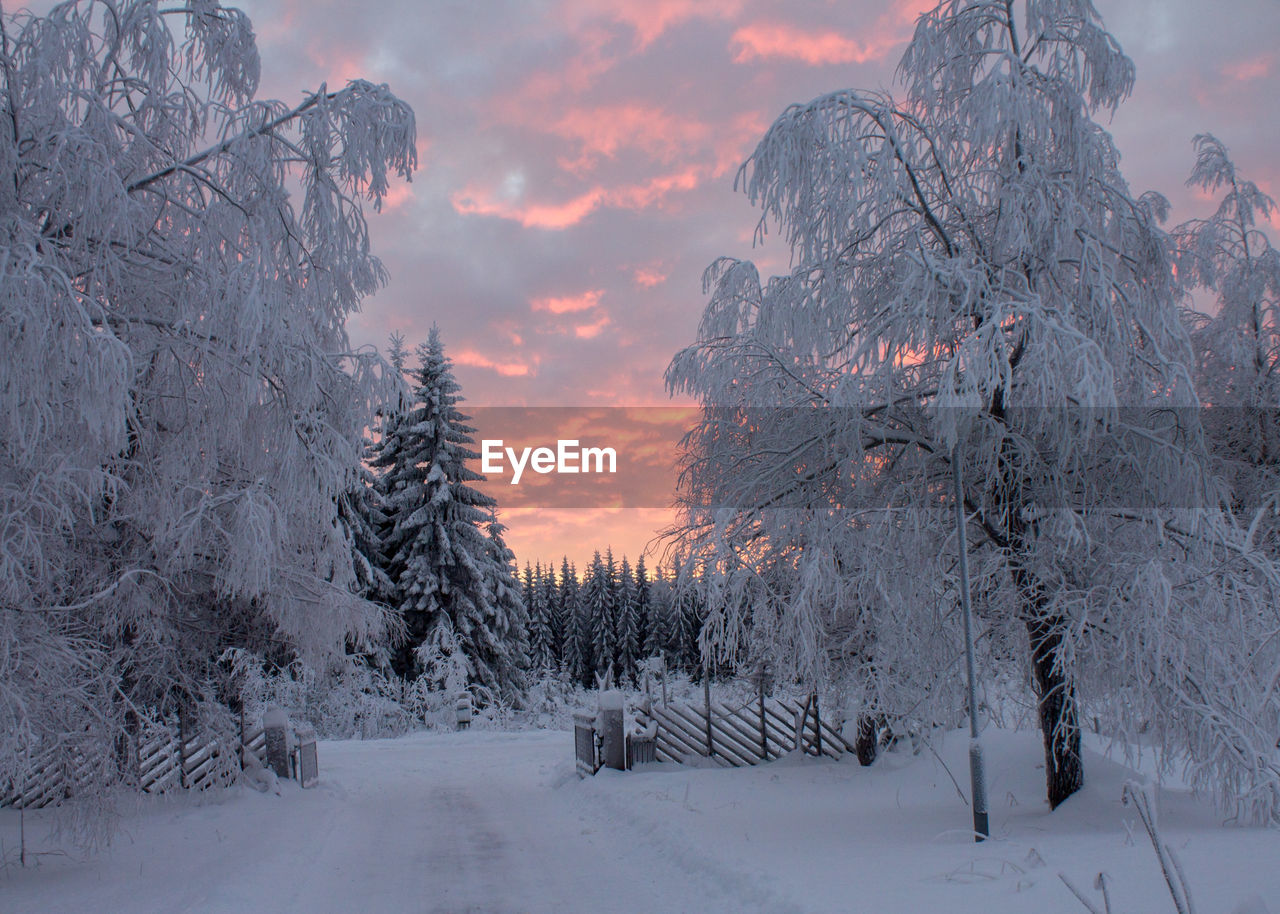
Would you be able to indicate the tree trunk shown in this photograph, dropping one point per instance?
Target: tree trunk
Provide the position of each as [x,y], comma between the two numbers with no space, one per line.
[1059,716]
[867,743]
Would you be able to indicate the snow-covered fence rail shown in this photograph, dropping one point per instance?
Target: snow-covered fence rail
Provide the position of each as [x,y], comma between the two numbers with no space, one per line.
[755,732]
[163,761]
[53,775]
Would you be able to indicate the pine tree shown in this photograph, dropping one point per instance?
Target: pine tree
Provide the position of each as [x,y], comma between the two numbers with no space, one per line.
[541,655]
[439,558]
[644,610]
[499,645]
[574,648]
[659,638]
[552,617]
[598,610]
[627,648]
[362,517]
[686,618]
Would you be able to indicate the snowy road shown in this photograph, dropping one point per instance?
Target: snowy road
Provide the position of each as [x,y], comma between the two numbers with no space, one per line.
[474,822]
[499,822]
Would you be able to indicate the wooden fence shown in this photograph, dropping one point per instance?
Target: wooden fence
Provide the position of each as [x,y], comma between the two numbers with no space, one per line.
[162,758]
[758,731]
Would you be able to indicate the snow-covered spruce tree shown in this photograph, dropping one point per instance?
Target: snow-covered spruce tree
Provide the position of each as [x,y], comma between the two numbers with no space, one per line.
[439,557]
[972,271]
[553,619]
[360,512]
[659,634]
[540,653]
[1237,345]
[576,647]
[180,408]
[598,610]
[627,653]
[503,646]
[644,609]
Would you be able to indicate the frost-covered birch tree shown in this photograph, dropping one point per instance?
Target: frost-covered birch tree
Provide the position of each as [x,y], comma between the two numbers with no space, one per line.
[1237,343]
[973,276]
[180,408]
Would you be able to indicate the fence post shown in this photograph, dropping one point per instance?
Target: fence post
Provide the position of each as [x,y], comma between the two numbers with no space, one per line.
[612,741]
[817,724]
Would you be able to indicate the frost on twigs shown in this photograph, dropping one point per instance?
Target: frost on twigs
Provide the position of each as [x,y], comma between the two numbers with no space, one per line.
[180,407]
[971,271]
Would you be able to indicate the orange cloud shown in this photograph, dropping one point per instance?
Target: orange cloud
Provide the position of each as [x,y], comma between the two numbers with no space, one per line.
[479,202]
[569,303]
[474,359]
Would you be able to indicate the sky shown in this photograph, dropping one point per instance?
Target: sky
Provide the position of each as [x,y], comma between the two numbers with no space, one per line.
[578,161]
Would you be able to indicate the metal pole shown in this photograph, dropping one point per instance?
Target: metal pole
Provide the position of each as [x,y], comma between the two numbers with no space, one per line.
[706,698]
[977,771]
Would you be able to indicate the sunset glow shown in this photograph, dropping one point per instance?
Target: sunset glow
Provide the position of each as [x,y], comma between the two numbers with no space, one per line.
[578,170]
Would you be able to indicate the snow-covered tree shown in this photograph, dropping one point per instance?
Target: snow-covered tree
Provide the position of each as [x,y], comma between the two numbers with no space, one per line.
[974,277]
[1237,344]
[360,512]
[541,654]
[626,626]
[549,595]
[180,408]
[658,638]
[440,556]
[500,645]
[644,609]
[576,648]
[599,609]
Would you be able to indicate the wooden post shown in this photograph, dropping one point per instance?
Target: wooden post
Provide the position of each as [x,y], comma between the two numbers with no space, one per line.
[612,738]
[664,679]
[817,724]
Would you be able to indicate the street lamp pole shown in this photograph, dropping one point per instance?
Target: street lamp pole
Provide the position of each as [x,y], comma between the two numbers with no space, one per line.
[977,771]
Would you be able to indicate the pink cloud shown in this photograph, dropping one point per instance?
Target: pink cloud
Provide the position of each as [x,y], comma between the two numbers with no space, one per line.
[592,330]
[1250,69]
[649,276]
[474,359]
[762,40]
[476,202]
[600,132]
[649,19]
[570,303]
[479,202]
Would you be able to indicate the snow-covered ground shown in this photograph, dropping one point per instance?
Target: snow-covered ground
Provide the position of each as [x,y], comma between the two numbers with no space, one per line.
[489,821]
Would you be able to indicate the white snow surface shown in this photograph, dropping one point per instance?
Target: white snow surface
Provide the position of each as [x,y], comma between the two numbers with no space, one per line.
[498,821]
